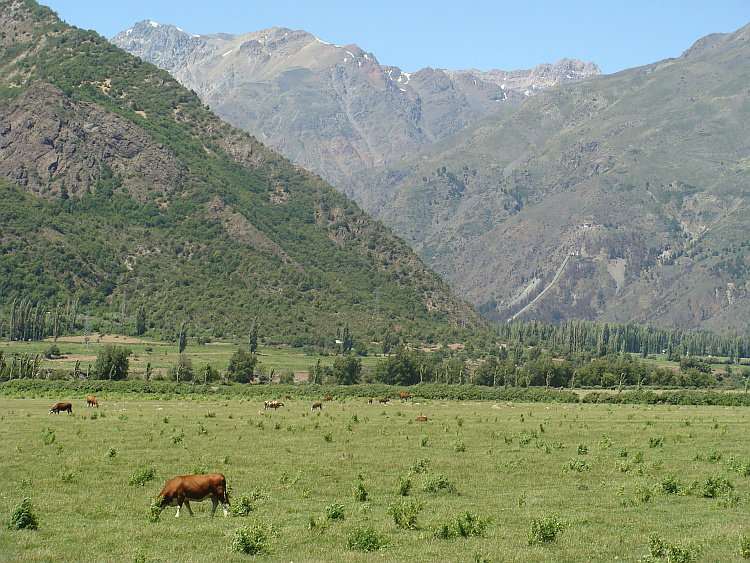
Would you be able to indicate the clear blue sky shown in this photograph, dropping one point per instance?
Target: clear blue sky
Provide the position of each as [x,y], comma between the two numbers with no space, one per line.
[454,35]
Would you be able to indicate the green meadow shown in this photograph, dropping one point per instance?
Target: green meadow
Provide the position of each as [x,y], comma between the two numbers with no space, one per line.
[540,482]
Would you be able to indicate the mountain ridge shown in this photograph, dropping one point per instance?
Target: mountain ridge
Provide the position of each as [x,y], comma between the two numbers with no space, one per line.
[331,109]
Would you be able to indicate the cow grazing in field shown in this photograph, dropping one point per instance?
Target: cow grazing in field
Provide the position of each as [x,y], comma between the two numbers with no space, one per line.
[276,404]
[383,400]
[422,418]
[57,407]
[91,401]
[181,490]
[369,401]
[317,406]
[328,398]
[404,396]
[288,397]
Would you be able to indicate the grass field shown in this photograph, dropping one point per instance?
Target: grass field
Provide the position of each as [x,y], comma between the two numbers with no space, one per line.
[603,478]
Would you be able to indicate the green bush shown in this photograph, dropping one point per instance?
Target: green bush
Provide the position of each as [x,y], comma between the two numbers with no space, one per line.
[420,466]
[334,511]
[252,540]
[359,490]
[243,506]
[404,486]
[154,511]
[463,525]
[364,539]
[673,553]
[545,529]
[22,517]
[715,486]
[142,476]
[439,483]
[405,513]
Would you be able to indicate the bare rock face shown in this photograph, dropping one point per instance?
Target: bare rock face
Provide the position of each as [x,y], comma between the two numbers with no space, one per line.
[47,141]
[334,110]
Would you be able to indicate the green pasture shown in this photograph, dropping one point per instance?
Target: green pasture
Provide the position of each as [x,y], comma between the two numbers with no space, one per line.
[607,477]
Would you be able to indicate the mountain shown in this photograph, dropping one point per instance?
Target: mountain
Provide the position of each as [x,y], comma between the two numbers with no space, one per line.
[333,110]
[122,191]
[622,197]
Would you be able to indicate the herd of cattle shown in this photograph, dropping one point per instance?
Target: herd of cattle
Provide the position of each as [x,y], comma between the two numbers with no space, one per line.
[180,490]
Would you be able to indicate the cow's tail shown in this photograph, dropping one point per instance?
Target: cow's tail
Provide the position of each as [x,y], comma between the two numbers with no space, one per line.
[226,493]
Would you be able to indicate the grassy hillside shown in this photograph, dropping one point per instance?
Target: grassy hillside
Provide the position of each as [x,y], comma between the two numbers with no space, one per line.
[129,193]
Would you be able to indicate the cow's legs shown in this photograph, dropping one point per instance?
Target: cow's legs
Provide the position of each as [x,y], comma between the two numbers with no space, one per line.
[187,505]
[215,502]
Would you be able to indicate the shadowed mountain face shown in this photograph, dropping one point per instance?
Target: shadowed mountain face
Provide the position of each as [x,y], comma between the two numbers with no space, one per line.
[641,177]
[121,191]
[331,109]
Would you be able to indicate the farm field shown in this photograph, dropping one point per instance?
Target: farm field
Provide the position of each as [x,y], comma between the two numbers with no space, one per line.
[606,477]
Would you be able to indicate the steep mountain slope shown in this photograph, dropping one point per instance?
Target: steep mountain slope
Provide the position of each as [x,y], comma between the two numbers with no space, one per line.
[331,109]
[125,191]
[641,177]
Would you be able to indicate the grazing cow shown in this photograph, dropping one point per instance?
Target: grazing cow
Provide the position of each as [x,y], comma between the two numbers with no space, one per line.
[383,400]
[91,401]
[276,404]
[288,397]
[57,407]
[328,399]
[181,490]
[422,418]
[404,396]
[317,406]
[369,401]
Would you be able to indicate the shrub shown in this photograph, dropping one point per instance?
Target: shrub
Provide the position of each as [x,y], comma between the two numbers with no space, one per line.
[459,446]
[438,483]
[243,506]
[463,525]
[583,449]
[364,539]
[672,553]
[578,465]
[143,476]
[423,441]
[420,466]
[715,486]
[22,517]
[545,529]
[154,511]
[655,441]
[670,484]
[745,546]
[251,540]
[359,491]
[111,452]
[405,513]
[334,511]
[404,486]
[49,436]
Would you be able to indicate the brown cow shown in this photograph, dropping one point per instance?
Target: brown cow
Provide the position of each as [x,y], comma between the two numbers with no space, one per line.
[57,407]
[181,490]
[422,418]
[91,401]
[404,396]
[328,399]
[276,404]
[369,401]
[383,400]
[288,397]
[317,406]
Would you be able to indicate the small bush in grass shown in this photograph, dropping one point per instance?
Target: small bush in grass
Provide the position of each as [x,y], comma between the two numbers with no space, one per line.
[642,493]
[335,511]
[49,436]
[745,546]
[404,486]
[364,539]
[111,452]
[420,466]
[578,465]
[154,512]
[655,441]
[439,483]
[583,449]
[242,506]
[359,490]
[328,437]
[463,525]
[405,513]
[670,484]
[545,529]
[673,553]
[252,540]
[459,446]
[143,476]
[23,517]
[423,441]
[67,476]
[715,486]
